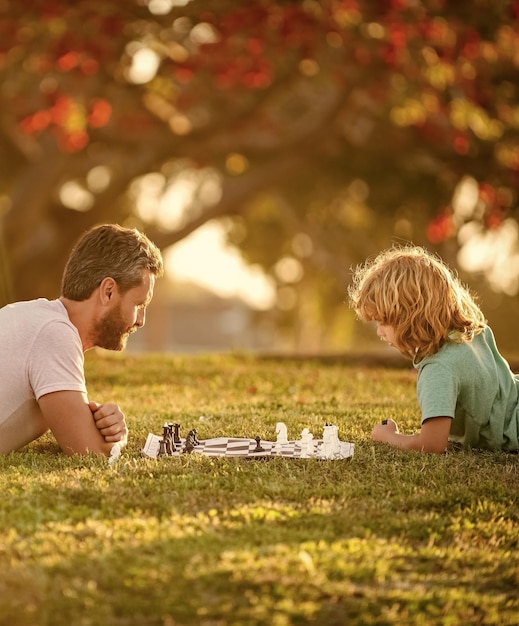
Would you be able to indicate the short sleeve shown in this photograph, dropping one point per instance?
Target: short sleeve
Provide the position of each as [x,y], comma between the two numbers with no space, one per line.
[56,360]
[437,391]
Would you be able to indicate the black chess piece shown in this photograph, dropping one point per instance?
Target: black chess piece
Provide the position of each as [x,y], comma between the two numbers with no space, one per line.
[191,441]
[176,433]
[162,448]
[166,437]
[258,447]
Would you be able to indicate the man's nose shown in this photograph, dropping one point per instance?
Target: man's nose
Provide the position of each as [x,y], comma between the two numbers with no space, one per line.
[141,319]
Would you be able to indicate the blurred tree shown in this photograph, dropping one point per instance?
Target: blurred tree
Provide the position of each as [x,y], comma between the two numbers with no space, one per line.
[325,129]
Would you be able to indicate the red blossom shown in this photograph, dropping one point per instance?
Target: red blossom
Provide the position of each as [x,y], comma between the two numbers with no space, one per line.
[68,61]
[72,142]
[440,228]
[100,113]
[460,143]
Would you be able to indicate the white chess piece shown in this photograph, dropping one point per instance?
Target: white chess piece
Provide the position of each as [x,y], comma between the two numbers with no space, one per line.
[281,431]
[331,445]
[307,444]
[282,439]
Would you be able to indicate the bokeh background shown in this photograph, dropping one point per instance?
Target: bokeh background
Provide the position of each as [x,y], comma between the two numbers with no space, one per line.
[267,148]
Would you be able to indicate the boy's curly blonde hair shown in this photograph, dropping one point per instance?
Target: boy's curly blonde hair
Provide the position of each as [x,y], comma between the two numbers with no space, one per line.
[417,294]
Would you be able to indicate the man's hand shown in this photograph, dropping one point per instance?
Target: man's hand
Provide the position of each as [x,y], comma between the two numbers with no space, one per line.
[382,432]
[110,421]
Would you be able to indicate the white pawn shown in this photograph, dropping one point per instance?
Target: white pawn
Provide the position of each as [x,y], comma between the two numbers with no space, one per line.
[307,444]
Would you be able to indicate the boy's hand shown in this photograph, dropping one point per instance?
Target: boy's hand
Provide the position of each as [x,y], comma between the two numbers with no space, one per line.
[382,431]
[110,421]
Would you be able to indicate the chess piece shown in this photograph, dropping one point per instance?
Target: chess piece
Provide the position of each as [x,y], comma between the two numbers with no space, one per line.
[282,439]
[194,437]
[162,448]
[331,445]
[281,431]
[307,444]
[191,441]
[166,437]
[258,447]
[174,429]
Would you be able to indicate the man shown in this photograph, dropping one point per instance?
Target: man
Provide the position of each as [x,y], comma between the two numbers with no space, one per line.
[107,284]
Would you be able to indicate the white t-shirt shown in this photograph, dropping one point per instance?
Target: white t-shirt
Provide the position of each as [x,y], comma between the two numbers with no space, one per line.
[40,352]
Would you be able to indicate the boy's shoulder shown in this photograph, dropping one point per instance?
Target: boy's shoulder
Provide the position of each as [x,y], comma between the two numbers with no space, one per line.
[462,353]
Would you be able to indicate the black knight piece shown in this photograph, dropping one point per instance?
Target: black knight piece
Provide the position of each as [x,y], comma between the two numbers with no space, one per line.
[191,441]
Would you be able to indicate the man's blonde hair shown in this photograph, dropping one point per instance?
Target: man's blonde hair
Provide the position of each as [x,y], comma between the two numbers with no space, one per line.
[417,294]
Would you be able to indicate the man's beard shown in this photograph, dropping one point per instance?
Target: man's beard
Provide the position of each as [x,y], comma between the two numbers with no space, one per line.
[111,332]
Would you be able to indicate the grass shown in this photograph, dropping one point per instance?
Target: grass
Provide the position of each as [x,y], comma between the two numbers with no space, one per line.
[384,538]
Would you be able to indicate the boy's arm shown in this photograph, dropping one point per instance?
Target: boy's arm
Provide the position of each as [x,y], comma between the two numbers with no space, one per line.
[433,436]
[73,423]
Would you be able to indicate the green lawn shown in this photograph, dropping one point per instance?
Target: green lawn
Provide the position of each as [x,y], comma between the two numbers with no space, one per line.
[383,538]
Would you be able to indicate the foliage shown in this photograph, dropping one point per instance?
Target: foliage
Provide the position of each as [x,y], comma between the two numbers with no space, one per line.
[383,538]
[342,124]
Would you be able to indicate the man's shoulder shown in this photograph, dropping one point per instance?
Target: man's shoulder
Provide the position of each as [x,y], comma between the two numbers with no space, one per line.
[41,309]
[36,318]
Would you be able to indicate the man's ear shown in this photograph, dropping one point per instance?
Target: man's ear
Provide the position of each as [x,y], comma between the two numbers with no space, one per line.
[107,290]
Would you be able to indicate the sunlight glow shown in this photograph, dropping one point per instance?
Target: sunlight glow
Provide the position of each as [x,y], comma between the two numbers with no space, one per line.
[169,201]
[289,270]
[203,33]
[466,197]
[163,7]
[490,251]
[205,258]
[98,178]
[75,196]
[145,63]
[495,253]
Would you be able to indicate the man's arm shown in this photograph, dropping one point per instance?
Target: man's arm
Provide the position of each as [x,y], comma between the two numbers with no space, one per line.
[110,422]
[71,420]
[433,436]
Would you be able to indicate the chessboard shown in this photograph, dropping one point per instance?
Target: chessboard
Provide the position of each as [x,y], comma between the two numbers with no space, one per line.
[247,448]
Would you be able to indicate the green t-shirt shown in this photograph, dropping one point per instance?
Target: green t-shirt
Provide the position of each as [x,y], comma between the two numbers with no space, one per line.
[473,384]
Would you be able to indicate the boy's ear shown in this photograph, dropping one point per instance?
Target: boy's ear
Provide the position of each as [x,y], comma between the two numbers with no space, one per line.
[107,290]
